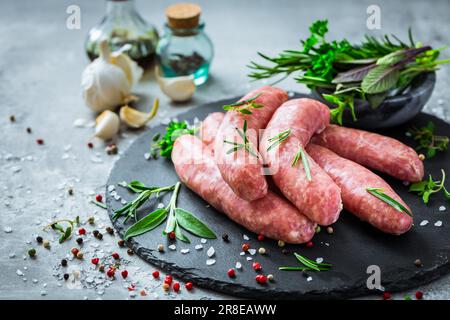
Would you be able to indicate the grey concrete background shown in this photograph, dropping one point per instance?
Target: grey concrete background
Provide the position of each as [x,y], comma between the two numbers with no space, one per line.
[40,66]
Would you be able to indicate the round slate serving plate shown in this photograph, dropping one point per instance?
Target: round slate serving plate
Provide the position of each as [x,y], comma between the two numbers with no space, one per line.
[352,248]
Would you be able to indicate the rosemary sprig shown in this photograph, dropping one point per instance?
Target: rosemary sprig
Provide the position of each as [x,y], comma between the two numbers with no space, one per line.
[129,210]
[66,232]
[301,154]
[428,141]
[246,145]
[426,188]
[279,138]
[177,219]
[307,265]
[379,193]
[99,204]
[244,106]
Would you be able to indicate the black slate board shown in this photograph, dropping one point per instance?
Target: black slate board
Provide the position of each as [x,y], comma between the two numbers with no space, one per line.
[353,247]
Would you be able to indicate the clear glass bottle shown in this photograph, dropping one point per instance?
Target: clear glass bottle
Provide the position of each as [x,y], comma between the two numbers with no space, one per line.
[123,25]
[185,49]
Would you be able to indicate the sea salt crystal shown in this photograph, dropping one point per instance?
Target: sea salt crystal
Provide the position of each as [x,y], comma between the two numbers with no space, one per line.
[438,223]
[210,262]
[238,265]
[67,147]
[442,208]
[249,258]
[291,94]
[111,188]
[242,253]
[408,134]
[203,240]
[161,205]
[210,252]
[246,238]
[173,247]
[7,229]
[184,251]
[319,260]
[252,251]
[65,156]
[19,273]
[198,247]
[147,156]
[12,255]
[424,223]
[79,123]
[43,293]
[309,279]
[117,197]
[123,201]
[440,102]
[16,169]
[35,280]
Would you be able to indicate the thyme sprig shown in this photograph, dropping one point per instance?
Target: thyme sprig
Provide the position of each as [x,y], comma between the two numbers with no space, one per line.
[380,194]
[64,226]
[427,140]
[246,145]
[426,188]
[279,138]
[244,106]
[301,154]
[307,265]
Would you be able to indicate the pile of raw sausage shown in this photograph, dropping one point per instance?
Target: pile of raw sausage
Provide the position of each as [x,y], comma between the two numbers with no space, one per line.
[319,168]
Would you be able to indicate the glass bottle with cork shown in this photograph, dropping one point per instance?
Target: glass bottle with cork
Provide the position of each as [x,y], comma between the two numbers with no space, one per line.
[185,49]
[123,26]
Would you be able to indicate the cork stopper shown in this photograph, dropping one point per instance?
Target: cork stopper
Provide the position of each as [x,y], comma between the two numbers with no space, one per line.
[183,15]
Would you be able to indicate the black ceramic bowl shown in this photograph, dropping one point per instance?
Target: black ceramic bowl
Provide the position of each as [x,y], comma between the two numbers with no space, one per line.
[394,110]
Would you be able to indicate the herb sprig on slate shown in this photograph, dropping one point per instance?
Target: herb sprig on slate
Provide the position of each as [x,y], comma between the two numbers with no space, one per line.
[244,106]
[246,143]
[380,194]
[65,227]
[426,188]
[343,71]
[307,265]
[428,141]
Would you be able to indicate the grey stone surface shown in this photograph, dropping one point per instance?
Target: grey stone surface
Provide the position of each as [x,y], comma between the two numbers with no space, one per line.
[40,66]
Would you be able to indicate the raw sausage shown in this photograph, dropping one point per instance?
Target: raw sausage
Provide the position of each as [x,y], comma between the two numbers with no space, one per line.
[210,126]
[354,179]
[320,198]
[373,151]
[271,215]
[241,169]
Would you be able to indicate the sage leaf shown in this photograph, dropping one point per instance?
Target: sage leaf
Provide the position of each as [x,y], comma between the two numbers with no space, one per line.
[179,234]
[353,75]
[149,222]
[171,222]
[380,79]
[191,223]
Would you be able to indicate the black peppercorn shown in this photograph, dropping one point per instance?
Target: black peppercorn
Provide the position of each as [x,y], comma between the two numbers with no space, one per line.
[130,252]
[39,239]
[99,236]
[121,243]
[70,191]
[80,240]
[101,268]
[66,276]
[29,130]
[225,237]
[12,118]
[110,230]
[95,233]
[285,251]
[64,262]
[305,274]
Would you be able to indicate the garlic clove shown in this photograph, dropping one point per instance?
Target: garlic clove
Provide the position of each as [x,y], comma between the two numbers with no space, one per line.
[178,89]
[135,118]
[107,125]
[128,66]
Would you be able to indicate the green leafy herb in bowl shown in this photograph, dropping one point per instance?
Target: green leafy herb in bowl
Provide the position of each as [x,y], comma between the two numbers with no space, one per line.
[345,74]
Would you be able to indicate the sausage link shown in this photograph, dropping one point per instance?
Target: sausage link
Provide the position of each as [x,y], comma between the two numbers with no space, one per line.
[374,151]
[354,179]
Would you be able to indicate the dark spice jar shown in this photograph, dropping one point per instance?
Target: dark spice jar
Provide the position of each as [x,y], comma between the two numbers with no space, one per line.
[185,49]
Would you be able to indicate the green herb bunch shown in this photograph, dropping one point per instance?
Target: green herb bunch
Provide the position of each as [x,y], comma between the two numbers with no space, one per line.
[427,140]
[343,72]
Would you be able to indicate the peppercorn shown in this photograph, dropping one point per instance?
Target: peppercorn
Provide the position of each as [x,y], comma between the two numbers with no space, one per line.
[309,244]
[46,244]
[111,272]
[160,248]
[260,237]
[29,130]
[386,295]
[40,141]
[270,277]
[165,287]
[285,251]
[189,285]
[80,255]
[330,230]
[12,118]
[318,229]
[256,266]
[262,250]
[64,262]
[225,237]
[90,145]
[115,255]
[168,279]
[70,191]
[91,220]
[32,252]
[124,273]
[245,247]
[110,230]
[130,252]
[121,243]
[155,274]
[281,243]
[39,239]
[421,157]
[81,231]
[99,198]
[261,279]
[171,235]
[101,268]
[418,263]
[176,286]
[75,251]
[231,273]
[95,260]
[66,276]
[80,241]
[419,295]
[99,236]
[112,149]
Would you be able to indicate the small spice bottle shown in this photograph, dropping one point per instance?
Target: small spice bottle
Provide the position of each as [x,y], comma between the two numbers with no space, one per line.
[185,49]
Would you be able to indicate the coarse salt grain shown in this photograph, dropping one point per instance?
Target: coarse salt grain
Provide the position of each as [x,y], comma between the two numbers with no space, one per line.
[173,247]
[198,247]
[309,279]
[438,223]
[424,223]
[249,258]
[7,229]
[111,188]
[238,265]
[203,240]
[252,251]
[161,205]
[442,208]
[184,251]
[210,252]
[246,238]
[319,260]
[210,262]
[242,253]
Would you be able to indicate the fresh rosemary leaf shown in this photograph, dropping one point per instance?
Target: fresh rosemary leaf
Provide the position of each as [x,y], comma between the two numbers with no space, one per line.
[247,145]
[379,193]
[99,204]
[279,138]
[307,264]
[148,223]
[301,154]
[294,268]
[191,223]
[244,106]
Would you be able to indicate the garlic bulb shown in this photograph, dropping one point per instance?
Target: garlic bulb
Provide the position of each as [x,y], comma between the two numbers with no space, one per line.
[107,125]
[178,88]
[107,81]
[135,118]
